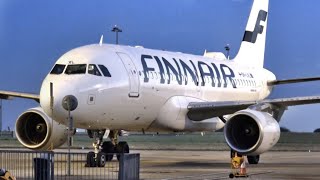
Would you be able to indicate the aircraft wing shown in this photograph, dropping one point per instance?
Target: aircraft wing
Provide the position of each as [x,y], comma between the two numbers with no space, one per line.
[11,94]
[198,111]
[289,81]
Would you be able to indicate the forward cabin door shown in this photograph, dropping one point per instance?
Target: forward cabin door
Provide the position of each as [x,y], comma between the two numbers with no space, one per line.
[132,74]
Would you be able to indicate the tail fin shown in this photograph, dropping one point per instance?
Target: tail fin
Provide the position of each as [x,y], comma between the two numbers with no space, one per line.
[252,48]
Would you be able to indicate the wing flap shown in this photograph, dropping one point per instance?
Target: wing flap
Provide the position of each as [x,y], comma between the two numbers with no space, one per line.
[198,111]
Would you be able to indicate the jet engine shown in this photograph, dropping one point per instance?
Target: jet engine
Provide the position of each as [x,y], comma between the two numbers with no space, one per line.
[36,130]
[251,132]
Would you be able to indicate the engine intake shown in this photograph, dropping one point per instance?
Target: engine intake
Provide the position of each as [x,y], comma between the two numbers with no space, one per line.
[251,132]
[36,130]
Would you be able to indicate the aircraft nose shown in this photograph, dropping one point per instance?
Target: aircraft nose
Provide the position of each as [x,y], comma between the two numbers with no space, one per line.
[57,98]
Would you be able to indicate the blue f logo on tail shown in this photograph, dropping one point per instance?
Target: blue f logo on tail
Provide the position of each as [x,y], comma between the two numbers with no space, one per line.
[258,29]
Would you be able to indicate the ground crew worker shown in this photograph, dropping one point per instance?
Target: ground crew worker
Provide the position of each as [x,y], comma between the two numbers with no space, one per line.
[238,162]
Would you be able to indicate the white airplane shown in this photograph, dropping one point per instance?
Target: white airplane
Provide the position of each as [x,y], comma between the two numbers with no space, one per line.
[111,88]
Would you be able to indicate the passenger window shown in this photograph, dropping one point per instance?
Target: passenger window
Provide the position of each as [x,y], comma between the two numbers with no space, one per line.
[76,69]
[92,69]
[104,70]
[58,69]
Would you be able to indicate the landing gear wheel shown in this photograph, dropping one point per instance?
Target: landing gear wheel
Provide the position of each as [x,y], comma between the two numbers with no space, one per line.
[253,159]
[101,159]
[90,160]
[121,148]
[231,175]
[108,148]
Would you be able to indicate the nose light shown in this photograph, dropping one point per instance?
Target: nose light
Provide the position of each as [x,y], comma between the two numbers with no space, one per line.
[69,103]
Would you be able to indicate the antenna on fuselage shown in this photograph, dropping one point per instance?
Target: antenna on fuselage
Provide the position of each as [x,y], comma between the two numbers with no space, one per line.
[101,40]
[227,48]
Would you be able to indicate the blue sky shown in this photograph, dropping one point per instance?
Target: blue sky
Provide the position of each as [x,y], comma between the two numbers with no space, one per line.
[34,34]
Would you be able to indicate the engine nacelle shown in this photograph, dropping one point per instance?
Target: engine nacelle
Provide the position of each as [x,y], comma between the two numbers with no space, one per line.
[251,132]
[36,130]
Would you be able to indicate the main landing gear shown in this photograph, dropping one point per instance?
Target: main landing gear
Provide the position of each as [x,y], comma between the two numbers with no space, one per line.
[104,151]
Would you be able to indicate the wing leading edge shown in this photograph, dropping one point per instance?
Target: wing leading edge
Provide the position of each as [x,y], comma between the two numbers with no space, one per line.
[198,111]
[11,94]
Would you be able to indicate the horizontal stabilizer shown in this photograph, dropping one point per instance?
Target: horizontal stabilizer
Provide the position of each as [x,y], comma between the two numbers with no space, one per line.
[289,81]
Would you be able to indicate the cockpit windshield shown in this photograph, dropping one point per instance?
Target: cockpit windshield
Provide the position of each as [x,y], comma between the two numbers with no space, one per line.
[92,69]
[76,69]
[58,69]
[104,70]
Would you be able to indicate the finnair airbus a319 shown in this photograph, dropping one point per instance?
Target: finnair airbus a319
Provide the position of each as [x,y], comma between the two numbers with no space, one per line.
[115,87]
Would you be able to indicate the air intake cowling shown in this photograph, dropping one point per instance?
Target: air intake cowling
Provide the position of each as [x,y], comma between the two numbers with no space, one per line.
[251,132]
[36,130]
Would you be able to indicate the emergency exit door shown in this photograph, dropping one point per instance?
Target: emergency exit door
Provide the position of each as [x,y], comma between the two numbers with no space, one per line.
[132,74]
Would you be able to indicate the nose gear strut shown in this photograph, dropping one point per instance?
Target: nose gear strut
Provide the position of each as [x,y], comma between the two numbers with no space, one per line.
[104,151]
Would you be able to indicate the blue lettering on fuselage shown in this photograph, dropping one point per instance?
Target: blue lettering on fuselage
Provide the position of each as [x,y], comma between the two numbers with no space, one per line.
[167,69]
[170,68]
[146,69]
[226,75]
[218,74]
[160,69]
[204,74]
[193,73]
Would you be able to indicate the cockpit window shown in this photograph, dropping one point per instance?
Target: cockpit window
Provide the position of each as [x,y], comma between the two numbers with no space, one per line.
[58,69]
[76,69]
[104,70]
[92,69]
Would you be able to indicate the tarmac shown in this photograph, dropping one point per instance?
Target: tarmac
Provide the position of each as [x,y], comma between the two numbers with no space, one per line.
[207,165]
[216,165]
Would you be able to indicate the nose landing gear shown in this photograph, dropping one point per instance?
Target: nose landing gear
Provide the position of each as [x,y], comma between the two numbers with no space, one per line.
[104,151]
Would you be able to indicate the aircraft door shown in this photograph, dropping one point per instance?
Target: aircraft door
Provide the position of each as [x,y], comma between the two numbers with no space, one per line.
[132,74]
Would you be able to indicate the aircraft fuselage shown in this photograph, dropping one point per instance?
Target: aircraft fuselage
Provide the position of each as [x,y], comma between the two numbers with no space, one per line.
[148,89]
